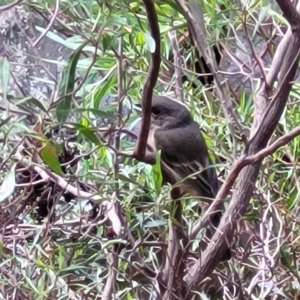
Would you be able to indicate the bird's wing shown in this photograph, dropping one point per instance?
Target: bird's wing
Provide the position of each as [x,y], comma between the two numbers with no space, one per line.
[187,154]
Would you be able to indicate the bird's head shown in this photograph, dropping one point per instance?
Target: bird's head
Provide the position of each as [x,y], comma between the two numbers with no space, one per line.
[167,113]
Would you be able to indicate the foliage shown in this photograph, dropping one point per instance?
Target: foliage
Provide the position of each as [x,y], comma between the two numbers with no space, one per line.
[56,244]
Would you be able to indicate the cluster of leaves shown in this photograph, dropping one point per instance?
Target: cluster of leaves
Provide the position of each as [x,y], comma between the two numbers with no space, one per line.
[57,245]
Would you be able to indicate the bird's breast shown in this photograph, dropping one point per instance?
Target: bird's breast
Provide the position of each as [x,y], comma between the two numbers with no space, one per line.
[151,139]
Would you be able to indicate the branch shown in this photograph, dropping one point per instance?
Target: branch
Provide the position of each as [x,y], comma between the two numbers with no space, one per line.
[178,63]
[140,149]
[238,166]
[195,20]
[112,262]
[111,210]
[247,178]
[49,25]
[261,97]
[174,264]
[289,12]
[9,6]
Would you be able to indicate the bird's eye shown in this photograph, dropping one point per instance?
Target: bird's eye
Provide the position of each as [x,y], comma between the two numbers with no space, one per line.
[155,111]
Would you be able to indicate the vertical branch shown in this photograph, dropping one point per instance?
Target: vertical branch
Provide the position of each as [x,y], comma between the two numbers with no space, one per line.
[248,176]
[112,260]
[177,65]
[119,114]
[195,20]
[109,288]
[140,149]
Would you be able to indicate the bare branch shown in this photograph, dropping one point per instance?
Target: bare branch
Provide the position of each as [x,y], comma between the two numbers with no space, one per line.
[241,163]
[10,5]
[109,288]
[49,25]
[169,269]
[195,19]
[140,149]
[177,65]
[289,12]
[248,175]
[262,94]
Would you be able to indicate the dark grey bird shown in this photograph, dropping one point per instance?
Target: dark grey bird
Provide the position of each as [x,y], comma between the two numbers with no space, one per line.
[184,154]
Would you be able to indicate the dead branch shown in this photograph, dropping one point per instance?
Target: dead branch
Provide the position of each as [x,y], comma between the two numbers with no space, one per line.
[262,96]
[10,5]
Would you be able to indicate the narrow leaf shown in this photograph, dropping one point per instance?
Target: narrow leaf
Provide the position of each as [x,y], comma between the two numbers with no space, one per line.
[67,84]
[96,112]
[87,132]
[2,123]
[8,184]
[156,172]
[4,76]
[50,157]
[23,103]
[101,92]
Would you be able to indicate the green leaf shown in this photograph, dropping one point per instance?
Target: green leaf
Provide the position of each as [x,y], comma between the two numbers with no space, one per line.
[156,172]
[108,41]
[23,104]
[60,258]
[155,223]
[113,242]
[292,200]
[67,84]
[2,123]
[124,178]
[51,35]
[109,83]
[172,4]
[286,257]
[87,132]
[278,17]
[50,158]
[4,75]
[8,184]
[97,112]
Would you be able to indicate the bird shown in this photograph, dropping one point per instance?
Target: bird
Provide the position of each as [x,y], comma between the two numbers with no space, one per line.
[184,153]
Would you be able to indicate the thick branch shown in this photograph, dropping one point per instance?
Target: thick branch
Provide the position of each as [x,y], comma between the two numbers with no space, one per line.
[289,12]
[140,149]
[248,175]
[195,20]
[238,166]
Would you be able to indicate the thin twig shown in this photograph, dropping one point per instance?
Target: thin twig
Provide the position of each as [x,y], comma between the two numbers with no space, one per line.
[57,2]
[257,59]
[10,5]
